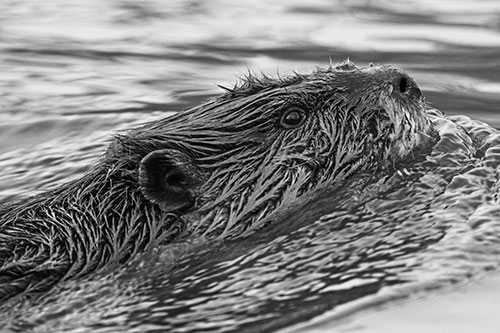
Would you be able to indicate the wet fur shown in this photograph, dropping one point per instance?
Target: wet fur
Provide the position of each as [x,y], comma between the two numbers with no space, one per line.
[247,163]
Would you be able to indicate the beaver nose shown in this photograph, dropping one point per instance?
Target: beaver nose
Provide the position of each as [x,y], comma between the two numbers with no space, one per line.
[405,85]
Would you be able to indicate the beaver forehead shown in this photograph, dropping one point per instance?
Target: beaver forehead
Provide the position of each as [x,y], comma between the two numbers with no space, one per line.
[343,80]
[356,80]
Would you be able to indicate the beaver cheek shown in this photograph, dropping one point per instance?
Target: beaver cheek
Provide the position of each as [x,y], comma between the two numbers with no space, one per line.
[169,179]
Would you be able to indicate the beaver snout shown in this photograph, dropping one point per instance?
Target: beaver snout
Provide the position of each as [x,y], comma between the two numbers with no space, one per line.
[405,85]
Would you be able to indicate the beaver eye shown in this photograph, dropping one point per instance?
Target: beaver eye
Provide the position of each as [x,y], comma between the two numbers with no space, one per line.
[293,118]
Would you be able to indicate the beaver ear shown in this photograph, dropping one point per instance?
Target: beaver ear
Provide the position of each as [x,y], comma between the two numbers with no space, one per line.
[168,178]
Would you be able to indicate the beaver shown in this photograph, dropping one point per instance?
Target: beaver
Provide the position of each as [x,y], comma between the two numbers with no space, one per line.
[219,170]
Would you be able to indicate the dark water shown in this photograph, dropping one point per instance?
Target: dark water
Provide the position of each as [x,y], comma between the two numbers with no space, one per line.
[73,72]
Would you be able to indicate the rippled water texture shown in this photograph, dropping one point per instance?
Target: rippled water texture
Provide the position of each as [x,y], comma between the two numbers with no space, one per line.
[74,72]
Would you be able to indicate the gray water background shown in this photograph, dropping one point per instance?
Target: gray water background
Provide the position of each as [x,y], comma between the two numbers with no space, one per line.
[74,72]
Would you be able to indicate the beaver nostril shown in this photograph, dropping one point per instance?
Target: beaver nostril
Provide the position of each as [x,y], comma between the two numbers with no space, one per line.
[403,84]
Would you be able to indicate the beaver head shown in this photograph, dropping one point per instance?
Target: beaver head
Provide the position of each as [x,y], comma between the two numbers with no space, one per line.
[231,162]
[219,170]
